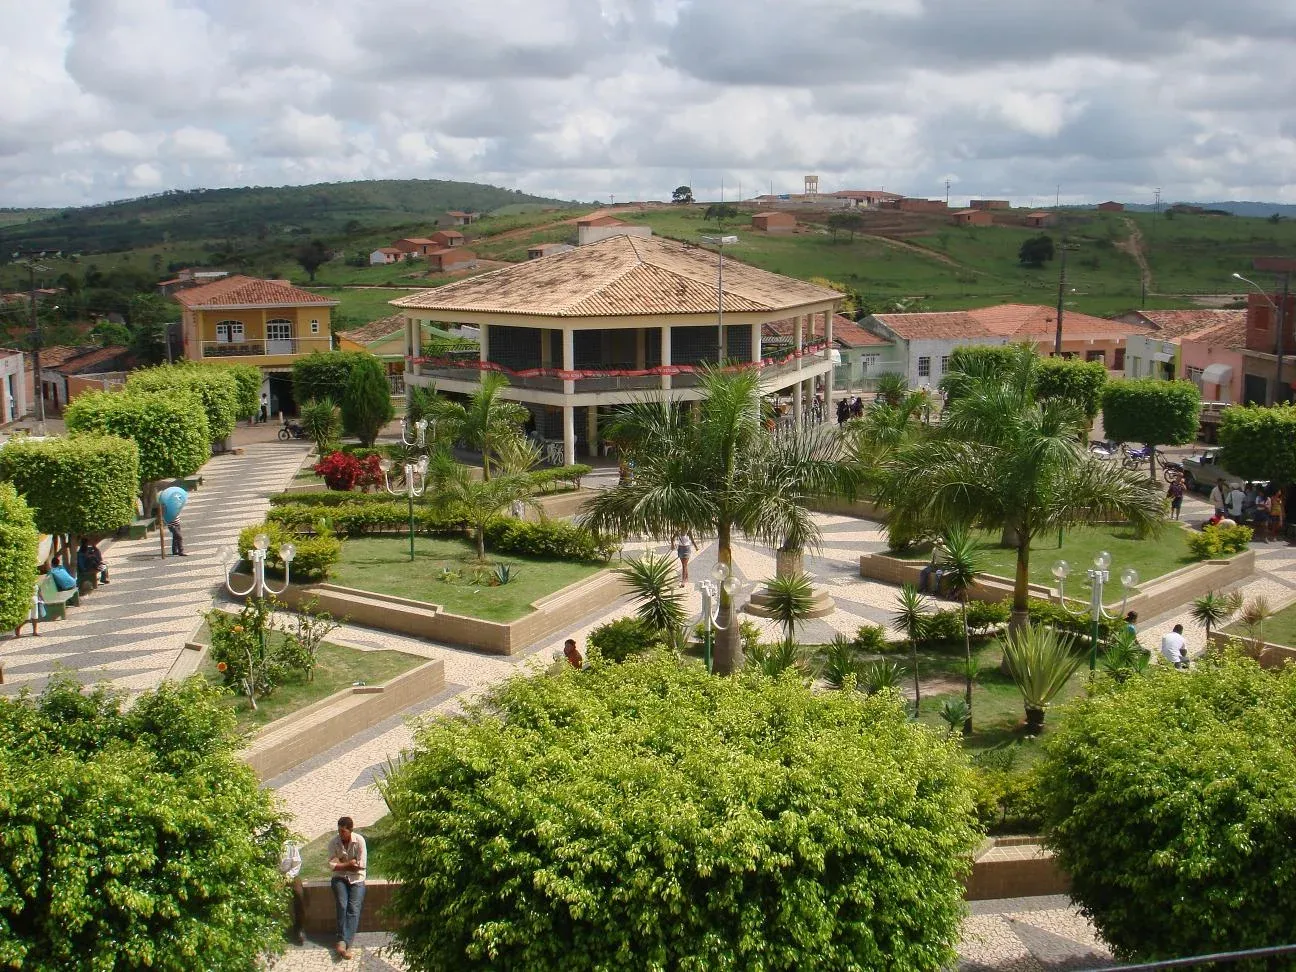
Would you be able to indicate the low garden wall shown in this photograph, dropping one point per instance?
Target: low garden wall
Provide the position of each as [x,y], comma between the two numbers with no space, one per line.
[321,917]
[420,619]
[319,727]
[894,570]
[862,508]
[1266,653]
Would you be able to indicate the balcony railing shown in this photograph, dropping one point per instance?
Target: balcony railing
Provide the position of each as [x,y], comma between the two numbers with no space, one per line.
[238,349]
[602,379]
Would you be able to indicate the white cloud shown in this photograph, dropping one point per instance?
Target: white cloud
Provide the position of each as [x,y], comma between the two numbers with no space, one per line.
[584,98]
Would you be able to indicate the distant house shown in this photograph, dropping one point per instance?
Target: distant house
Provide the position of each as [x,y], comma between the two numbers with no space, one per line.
[547,249]
[448,259]
[447,238]
[384,254]
[591,229]
[1039,220]
[68,371]
[1111,207]
[989,204]
[190,277]
[908,205]
[15,388]
[415,246]
[456,217]
[864,198]
[774,222]
[972,217]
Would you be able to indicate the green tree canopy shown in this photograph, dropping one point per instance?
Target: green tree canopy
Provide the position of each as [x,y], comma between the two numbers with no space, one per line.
[249,380]
[1073,380]
[1260,443]
[324,374]
[645,815]
[1036,251]
[170,428]
[18,545]
[1151,411]
[84,485]
[1169,801]
[311,256]
[215,385]
[366,402]
[850,222]
[133,837]
[682,195]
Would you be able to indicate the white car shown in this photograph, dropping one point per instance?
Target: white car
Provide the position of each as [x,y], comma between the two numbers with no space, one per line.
[1203,471]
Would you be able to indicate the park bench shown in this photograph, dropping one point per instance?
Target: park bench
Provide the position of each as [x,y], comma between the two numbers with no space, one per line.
[56,601]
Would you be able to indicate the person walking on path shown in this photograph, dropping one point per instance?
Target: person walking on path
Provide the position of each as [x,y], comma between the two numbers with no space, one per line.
[1219,498]
[1174,648]
[177,538]
[348,858]
[683,550]
[1176,494]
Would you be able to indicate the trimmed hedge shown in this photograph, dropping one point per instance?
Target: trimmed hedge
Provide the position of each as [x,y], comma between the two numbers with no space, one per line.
[546,480]
[170,428]
[1259,443]
[215,386]
[357,519]
[1151,411]
[1214,542]
[332,497]
[83,485]
[324,374]
[317,553]
[249,380]
[549,538]
[18,546]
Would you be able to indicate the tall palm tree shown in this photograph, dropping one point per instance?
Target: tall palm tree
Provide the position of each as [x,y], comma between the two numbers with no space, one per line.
[910,618]
[486,422]
[1002,459]
[962,562]
[1213,609]
[704,471]
[882,430]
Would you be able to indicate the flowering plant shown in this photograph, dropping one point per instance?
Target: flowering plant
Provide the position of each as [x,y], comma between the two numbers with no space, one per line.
[340,470]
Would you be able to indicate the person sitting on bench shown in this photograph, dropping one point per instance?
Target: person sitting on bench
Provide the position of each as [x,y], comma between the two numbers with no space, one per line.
[929,578]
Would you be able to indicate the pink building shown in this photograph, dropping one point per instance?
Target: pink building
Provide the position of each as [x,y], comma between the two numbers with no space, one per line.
[1211,358]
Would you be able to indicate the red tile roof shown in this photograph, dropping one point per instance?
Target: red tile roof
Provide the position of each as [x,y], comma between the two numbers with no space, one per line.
[1019,322]
[1177,323]
[863,194]
[1226,334]
[940,326]
[74,361]
[240,291]
[600,221]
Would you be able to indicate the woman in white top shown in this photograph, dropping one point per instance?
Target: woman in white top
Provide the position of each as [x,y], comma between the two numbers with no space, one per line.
[683,549]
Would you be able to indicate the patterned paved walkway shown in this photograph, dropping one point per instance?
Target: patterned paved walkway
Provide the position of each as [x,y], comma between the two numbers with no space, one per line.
[130,632]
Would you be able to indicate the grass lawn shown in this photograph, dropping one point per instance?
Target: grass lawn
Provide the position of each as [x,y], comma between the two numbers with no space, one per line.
[1278,630]
[382,564]
[336,669]
[1151,558]
[315,854]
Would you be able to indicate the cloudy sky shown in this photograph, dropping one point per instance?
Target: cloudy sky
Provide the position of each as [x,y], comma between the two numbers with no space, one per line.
[106,99]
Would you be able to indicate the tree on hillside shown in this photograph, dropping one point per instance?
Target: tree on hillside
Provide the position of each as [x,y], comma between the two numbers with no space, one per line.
[850,222]
[136,837]
[683,195]
[720,212]
[1036,251]
[1151,411]
[311,256]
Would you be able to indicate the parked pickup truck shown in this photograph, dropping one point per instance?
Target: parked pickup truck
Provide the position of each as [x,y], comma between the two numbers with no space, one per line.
[1203,471]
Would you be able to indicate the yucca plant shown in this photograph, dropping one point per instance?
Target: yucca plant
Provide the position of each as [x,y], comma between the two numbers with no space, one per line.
[840,662]
[910,619]
[1253,616]
[652,582]
[504,573]
[1124,657]
[790,600]
[1041,661]
[1214,609]
[962,563]
[954,713]
[775,659]
[881,676]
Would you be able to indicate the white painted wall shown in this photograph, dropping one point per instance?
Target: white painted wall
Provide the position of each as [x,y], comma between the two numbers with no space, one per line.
[935,350]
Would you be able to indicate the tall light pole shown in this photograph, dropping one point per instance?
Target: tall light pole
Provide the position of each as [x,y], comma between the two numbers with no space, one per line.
[414,484]
[720,242]
[258,590]
[1098,576]
[1272,391]
[710,588]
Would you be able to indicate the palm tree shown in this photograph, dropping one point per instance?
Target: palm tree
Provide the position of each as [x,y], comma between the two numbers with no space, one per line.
[454,489]
[910,619]
[1041,661]
[1002,459]
[882,430]
[704,471]
[789,600]
[1253,617]
[1213,609]
[652,583]
[891,387]
[486,422]
[962,562]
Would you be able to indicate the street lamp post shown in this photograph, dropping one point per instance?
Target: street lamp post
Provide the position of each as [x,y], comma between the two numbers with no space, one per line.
[721,578]
[1278,326]
[415,484]
[720,242]
[1098,576]
[415,435]
[260,588]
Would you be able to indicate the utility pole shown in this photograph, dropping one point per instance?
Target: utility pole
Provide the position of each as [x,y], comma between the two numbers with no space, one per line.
[1057,340]
[1280,395]
[37,384]
[947,192]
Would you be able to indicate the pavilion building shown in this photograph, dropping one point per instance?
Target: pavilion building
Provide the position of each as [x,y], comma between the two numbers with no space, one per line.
[616,321]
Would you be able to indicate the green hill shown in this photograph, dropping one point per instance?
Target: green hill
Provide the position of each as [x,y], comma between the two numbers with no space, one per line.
[253,215]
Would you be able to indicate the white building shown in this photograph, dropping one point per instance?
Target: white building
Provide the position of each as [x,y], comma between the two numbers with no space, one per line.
[384,254]
[923,342]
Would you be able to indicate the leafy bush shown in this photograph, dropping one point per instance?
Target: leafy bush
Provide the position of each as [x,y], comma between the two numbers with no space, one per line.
[1214,542]
[1042,612]
[871,639]
[135,837]
[944,625]
[1151,410]
[324,374]
[366,402]
[237,642]
[549,538]
[655,816]
[330,498]
[1006,796]
[215,386]
[547,480]
[317,554]
[984,615]
[1259,443]
[383,515]
[170,428]
[18,545]
[82,485]
[1072,380]
[321,423]
[1168,801]
[620,639]
[840,662]
[249,380]
[341,471]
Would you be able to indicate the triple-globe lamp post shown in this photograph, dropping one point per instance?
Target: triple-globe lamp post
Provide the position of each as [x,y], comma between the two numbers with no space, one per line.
[414,482]
[710,588]
[1098,576]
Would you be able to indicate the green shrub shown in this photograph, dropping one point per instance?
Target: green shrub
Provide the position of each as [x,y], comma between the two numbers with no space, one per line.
[317,554]
[1151,410]
[18,545]
[945,624]
[366,401]
[84,485]
[548,480]
[357,519]
[324,374]
[984,615]
[322,423]
[249,380]
[620,639]
[215,386]
[170,428]
[1214,542]
[1055,616]
[330,498]
[1072,380]
[871,639]
[1168,799]
[552,539]
[649,815]
[1006,796]
[1259,443]
[236,648]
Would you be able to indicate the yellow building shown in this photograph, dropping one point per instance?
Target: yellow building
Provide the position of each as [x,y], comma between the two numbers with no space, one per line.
[265,323]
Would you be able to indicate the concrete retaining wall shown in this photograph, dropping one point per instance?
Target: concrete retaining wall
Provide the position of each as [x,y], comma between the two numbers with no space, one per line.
[321,917]
[1266,653]
[893,570]
[423,620]
[864,509]
[322,725]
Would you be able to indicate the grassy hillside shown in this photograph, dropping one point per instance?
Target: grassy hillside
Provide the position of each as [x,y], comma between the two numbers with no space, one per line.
[256,214]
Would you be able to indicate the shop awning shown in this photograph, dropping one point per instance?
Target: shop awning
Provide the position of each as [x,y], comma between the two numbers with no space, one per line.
[1163,357]
[1217,374]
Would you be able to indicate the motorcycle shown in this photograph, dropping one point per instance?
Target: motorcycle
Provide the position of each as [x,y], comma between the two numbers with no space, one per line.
[291,430]
[1103,449]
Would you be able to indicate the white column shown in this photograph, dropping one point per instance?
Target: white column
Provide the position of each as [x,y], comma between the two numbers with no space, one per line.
[665,356]
[828,379]
[592,430]
[569,433]
[485,342]
[756,343]
[796,403]
[568,362]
